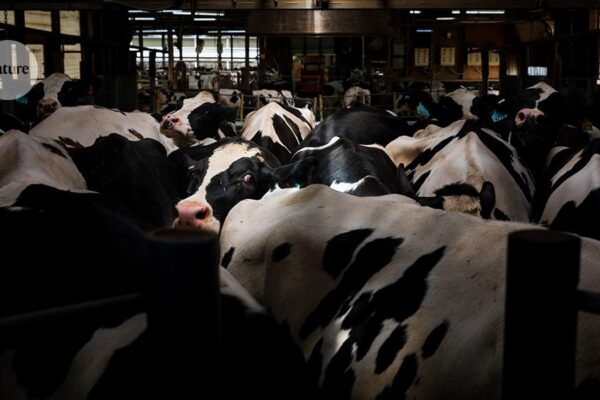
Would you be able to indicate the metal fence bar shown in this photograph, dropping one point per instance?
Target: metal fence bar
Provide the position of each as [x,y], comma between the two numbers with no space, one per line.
[184,312]
[540,315]
[16,321]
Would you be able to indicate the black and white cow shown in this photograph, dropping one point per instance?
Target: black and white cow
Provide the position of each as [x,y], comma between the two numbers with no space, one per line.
[224,173]
[386,299]
[361,170]
[279,128]
[98,252]
[27,160]
[80,126]
[220,175]
[58,90]
[572,201]
[359,123]
[472,169]
[137,174]
[543,119]
[199,118]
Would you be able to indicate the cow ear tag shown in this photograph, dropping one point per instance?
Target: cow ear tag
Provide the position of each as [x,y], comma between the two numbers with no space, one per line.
[421,110]
[497,116]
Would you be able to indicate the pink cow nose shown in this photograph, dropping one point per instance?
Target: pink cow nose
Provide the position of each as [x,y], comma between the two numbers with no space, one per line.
[191,215]
[168,121]
[47,105]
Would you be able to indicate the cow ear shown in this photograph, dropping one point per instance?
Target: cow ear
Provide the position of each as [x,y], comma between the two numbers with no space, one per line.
[487,199]
[299,173]
[403,184]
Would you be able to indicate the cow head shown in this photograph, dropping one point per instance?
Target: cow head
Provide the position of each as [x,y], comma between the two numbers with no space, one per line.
[177,125]
[234,171]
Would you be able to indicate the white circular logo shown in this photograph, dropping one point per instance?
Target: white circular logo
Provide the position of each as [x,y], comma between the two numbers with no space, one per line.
[18,70]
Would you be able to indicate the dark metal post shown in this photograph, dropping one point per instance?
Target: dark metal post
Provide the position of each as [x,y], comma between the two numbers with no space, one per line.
[152,80]
[541,315]
[184,312]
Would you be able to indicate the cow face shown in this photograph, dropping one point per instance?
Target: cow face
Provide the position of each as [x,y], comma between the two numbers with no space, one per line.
[58,90]
[236,170]
[176,125]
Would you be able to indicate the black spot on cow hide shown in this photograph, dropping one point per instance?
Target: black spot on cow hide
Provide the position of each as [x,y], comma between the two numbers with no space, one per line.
[339,377]
[402,381]
[315,361]
[434,339]
[500,216]
[397,301]
[340,249]
[281,252]
[370,259]
[227,257]
[583,219]
[390,348]
[53,150]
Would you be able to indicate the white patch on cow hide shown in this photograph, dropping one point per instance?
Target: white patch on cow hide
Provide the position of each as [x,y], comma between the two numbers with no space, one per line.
[25,161]
[229,286]
[331,142]
[346,187]
[91,360]
[53,84]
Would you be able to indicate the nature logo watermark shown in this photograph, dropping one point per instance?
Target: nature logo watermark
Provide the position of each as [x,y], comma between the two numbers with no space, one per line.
[18,70]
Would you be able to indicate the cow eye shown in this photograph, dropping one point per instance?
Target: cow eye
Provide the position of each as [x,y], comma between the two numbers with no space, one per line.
[248,178]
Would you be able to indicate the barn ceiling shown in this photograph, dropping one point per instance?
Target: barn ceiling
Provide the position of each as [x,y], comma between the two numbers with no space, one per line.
[295,4]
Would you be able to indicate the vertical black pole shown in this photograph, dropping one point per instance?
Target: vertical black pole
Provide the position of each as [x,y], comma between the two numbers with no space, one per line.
[184,313]
[152,80]
[541,315]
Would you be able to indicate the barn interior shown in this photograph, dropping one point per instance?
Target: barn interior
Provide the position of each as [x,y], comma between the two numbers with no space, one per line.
[127,240]
[138,46]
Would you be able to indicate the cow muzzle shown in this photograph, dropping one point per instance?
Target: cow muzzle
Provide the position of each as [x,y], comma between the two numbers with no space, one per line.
[527,116]
[47,106]
[195,216]
[171,126]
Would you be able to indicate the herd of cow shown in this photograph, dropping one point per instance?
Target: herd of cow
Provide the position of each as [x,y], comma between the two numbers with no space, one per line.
[351,250]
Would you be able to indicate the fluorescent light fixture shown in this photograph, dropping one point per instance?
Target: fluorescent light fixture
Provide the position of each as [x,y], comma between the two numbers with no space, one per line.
[198,13]
[137,11]
[455,11]
[211,14]
[445,18]
[415,11]
[424,30]
[228,31]
[142,18]
[155,31]
[497,12]
[537,71]
[205,19]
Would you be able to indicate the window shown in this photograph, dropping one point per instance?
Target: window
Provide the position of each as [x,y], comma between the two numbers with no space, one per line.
[72,60]
[38,20]
[69,23]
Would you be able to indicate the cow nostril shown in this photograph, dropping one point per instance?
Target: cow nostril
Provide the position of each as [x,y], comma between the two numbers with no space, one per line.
[201,215]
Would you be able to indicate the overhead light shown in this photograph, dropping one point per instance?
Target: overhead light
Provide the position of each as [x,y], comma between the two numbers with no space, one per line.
[415,11]
[142,18]
[485,11]
[424,30]
[211,13]
[198,13]
[155,31]
[205,19]
[137,11]
[445,18]
[455,11]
